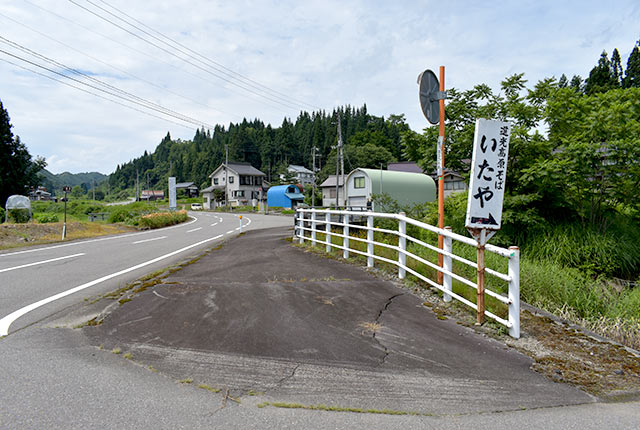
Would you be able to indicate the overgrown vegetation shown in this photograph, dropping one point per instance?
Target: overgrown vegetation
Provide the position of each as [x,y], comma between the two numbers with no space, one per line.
[162,219]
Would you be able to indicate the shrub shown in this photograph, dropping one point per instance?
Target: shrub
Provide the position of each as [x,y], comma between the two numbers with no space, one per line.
[47,218]
[162,219]
[1,215]
[19,215]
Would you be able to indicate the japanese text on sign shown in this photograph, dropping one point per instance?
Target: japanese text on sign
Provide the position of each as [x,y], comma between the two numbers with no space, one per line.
[488,174]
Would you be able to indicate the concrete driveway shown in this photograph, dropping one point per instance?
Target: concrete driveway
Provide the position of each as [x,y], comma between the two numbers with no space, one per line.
[260,317]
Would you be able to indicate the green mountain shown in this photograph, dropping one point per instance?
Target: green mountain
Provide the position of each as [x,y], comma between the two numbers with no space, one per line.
[54,183]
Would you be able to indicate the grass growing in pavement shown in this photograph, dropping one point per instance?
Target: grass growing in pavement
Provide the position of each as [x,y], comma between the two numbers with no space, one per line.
[339,409]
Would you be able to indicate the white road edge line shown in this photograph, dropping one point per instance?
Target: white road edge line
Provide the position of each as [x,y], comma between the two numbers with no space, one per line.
[40,262]
[149,240]
[214,224]
[99,240]
[9,319]
[230,231]
[195,229]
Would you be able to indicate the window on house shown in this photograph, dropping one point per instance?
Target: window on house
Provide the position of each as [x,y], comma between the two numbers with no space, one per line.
[332,193]
[231,179]
[215,181]
[358,182]
[238,193]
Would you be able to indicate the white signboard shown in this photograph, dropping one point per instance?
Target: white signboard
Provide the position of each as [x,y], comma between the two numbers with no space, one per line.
[172,193]
[488,174]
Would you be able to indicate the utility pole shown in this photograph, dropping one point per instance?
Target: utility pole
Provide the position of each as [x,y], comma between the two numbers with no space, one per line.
[137,183]
[313,193]
[226,176]
[94,190]
[339,161]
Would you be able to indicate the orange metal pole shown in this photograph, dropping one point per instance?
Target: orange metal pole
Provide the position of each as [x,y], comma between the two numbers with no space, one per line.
[441,177]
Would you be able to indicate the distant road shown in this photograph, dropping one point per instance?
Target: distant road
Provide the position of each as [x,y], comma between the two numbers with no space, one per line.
[130,200]
[39,281]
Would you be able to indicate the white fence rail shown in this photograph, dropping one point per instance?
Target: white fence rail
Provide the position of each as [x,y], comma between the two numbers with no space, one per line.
[309,222]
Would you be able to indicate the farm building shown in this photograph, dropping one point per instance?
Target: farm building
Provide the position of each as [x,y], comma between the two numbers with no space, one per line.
[404,187]
[284,196]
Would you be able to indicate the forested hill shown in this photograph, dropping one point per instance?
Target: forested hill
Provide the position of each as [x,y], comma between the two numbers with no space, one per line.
[369,142]
[55,182]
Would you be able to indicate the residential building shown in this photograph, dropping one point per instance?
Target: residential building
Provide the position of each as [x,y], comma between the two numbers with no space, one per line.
[303,176]
[190,189]
[328,188]
[244,186]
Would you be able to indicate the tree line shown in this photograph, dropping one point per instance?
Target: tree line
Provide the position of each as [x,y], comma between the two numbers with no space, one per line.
[369,142]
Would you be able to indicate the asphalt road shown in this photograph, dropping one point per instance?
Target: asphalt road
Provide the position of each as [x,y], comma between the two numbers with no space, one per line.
[29,277]
[282,325]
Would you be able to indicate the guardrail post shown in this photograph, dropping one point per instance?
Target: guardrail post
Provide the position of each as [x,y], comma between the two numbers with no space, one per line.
[370,241]
[402,245]
[300,230]
[313,228]
[514,292]
[447,281]
[328,230]
[345,239]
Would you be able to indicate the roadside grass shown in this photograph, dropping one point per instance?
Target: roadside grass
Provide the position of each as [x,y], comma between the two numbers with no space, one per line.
[575,294]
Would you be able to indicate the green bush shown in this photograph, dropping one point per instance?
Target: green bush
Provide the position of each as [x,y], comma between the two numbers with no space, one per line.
[162,219]
[1,215]
[19,216]
[47,218]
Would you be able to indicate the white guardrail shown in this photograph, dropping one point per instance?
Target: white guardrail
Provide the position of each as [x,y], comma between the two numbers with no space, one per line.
[308,220]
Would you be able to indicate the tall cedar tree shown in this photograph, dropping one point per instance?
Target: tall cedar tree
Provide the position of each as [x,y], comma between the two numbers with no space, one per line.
[632,74]
[18,172]
[602,77]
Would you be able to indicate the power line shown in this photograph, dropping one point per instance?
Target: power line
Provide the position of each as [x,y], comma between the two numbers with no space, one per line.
[92,93]
[215,64]
[146,54]
[125,94]
[149,105]
[116,68]
[217,75]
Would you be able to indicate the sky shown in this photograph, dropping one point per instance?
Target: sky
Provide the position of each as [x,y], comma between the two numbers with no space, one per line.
[267,60]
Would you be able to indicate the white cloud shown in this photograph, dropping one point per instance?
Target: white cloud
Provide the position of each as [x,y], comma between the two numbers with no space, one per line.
[323,52]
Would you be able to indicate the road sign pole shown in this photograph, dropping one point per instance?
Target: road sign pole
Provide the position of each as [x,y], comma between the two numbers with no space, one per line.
[441,175]
[481,270]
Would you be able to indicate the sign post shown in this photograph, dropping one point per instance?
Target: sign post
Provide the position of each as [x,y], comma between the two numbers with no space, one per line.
[172,193]
[66,190]
[486,190]
[432,96]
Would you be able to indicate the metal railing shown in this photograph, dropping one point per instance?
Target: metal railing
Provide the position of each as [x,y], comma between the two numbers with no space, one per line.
[313,221]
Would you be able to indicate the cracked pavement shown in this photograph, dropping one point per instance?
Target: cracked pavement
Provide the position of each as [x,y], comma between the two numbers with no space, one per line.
[261,316]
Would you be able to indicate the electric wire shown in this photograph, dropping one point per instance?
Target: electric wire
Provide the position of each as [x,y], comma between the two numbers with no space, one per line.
[146,54]
[93,94]
[218,66]
[217,75]
[116,68]
[126,94]
[164,112]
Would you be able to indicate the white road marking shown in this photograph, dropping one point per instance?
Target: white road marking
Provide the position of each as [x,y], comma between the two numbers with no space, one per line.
[9,319]
[149,240]
[40,262]
[195,229]
[214,224]
[98,240]
[230,231]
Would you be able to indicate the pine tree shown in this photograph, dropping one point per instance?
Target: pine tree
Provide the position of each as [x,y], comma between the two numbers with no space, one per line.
[577,83]
[601,78]
[18,172]
[632,74]
[616,67]
[563,82]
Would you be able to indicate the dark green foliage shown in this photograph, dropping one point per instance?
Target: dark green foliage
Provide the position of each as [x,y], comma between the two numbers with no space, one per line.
[47,218]
[18,216]
[18,171]
[266,148]
[632,73]
[1,214]
[602,77]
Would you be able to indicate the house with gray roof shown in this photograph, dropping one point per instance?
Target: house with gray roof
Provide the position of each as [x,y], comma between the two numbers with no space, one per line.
[241,182]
